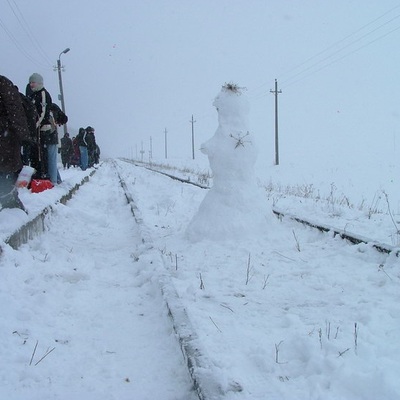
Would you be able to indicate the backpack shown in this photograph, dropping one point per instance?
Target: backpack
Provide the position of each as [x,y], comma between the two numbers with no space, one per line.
[59,116]
[30,113]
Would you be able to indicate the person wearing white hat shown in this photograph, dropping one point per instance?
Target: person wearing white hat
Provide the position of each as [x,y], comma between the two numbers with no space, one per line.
[48,129]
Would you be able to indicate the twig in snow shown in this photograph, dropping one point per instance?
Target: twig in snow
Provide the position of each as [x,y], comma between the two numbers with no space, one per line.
[297,241]
[381,268]
[328,329]
[342,352]
[34,351]
[248,271]
[223,305]
[265,281]
[337,331]
[320,336]
[277,352]
[390,213]
[202,287]
[45,355]
[355,337]
[279,254]
[215,324]
[45,258]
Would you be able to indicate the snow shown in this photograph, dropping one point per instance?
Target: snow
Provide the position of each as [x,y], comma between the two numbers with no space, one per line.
[284,313]
[290,297]
[232,152]
[89,287]
[78,289]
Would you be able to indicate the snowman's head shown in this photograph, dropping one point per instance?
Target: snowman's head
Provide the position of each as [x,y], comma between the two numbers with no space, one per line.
[232,105]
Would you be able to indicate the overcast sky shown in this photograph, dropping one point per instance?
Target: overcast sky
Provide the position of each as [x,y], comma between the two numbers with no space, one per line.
[138,67]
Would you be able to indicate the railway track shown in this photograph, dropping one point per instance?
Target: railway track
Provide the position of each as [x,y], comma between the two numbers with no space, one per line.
[161,205]
[352,238]
[92,300]
[208,279]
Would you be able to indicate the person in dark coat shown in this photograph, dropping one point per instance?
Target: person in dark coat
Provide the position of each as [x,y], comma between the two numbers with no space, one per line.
[91,145]
[48,129]
[83,148]
[30,150]
[76,156]
[67,150]
[14,132]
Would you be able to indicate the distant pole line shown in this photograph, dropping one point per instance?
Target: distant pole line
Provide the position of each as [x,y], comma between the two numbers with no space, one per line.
[192,121]
[276,92]
[165,143]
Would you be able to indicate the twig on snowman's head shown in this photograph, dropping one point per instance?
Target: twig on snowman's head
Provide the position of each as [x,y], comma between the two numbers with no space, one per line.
[233,87]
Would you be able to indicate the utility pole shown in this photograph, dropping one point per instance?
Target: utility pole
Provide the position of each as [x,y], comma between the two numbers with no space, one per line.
[141,152]
[61,97]
[151,150]
[192,121]
[165,143]
[276,92]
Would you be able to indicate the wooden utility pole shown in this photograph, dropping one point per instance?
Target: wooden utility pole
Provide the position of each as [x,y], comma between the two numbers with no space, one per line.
[141,152]
[192,122]
[276,92]
[151,149]
[165,143]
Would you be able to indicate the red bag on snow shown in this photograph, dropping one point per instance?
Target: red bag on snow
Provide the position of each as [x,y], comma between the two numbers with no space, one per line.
[38,185]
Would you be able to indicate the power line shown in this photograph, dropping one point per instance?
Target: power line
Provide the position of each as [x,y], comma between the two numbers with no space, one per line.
[344,39]
[28,31]
[344,56]
[343,48]
[17,44]
[288,81]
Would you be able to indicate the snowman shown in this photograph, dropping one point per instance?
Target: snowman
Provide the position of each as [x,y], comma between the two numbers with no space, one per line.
[234,207]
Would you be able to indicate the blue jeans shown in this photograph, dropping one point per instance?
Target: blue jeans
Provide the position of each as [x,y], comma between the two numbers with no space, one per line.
[52,169]
[84,157]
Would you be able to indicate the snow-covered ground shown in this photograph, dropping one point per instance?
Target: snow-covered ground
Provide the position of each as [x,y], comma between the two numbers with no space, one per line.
[292,313]
[78,296]
[271,309]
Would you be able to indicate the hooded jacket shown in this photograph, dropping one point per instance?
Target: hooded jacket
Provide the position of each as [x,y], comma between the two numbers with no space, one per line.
[81,138]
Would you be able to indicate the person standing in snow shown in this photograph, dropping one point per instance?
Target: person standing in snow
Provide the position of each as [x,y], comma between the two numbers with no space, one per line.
[76,155]
[14,132]
[66,151]
[83,148]
[48,129]
[91,145]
